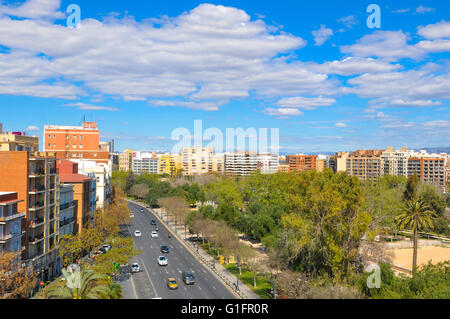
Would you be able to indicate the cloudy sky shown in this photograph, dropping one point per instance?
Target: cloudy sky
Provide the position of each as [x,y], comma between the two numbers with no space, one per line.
[313,69]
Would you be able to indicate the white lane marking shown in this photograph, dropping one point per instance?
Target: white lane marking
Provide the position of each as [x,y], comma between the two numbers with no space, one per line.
[145,268]
[134,287]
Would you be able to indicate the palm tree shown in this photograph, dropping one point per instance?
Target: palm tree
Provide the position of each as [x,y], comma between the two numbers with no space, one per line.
[88,287]
[415,215]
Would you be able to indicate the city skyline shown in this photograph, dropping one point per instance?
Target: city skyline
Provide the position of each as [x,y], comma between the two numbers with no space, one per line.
[315,71]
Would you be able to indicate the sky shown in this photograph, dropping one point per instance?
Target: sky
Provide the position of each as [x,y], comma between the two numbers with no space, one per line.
[314,70]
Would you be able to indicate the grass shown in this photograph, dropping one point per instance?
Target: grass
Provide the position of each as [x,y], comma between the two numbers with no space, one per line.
[263,286]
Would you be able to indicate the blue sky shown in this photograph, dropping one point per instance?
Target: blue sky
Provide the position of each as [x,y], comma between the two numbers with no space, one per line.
[313,69]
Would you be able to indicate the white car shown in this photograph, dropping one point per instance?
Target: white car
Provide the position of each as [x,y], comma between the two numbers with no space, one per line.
[131,215]
[154,234]
[135,268]
[162,261]
[137,233]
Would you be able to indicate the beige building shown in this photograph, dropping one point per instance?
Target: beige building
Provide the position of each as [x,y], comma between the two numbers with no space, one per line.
[197,160]
[365,164]
[430,168]
[395,162]
[18,142]
[338,162]
[126,160]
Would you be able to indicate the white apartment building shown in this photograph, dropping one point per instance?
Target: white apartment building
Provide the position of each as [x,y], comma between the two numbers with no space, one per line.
[395,162]
[66,210]
[241,163]
[144,162]
[102,174]
[268,163]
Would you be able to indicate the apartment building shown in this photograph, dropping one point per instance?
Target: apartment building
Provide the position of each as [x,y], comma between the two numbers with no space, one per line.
[167,164]
[67,210]
[395,162]
[11,230]
[75,142]
[197,160]
[18,141]
[218,165]
[365,164]
[430,168]
[101,173]
[126,161]
[267,163]
[283,168]
[322,163]
[338,162]
[36,182]
[241,163]
[301,162]
[83,192]
[145,162]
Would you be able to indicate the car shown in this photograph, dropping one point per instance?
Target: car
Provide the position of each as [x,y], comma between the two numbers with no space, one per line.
[96,253]
[165,249]
[154,234]
[137,233]
[153,222]
[188,278]
[135,268]
[142,209]
[103,250]
[107,247]
[162,261]
[172,283]
[131,215]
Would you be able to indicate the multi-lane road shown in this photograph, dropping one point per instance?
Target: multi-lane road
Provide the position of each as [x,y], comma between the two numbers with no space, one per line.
[151,282]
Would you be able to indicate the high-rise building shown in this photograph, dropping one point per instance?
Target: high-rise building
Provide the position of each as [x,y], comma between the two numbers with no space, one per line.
[338,162]
[126,161]
[300,162]
[365,164]
[84,192]
[145,162]
[430,168]
[395,162]
[197,160]
[34,178]
[267,163]
[75,142]
[241,163]
[322,163]
[101,173]
[11,231]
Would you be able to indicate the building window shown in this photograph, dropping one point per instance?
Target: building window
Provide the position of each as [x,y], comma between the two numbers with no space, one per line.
[49,136]
[54,136]
[74,145]
[54,145]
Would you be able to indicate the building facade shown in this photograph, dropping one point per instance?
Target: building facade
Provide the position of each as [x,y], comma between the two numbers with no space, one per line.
[430,168]
[365,164]
[241,163]
[75,142]
[11,230]
[126,161]
[197,160]
[300,162]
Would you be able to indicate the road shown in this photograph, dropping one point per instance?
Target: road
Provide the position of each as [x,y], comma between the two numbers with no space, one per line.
[151,282]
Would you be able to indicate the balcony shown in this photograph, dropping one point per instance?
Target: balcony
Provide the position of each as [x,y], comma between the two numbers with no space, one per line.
[52,171]
[34,189]
[3,220]
[65,222]
[36,222]
[37,205]
[36,172]
[35,239]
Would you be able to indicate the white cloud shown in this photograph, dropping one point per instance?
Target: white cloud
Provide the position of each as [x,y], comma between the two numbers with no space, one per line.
[89,107]
[422,10]
[419,103]
[32,128]
[390,45]
[435,45]
[437,123]
[348,21]
[435,31]
[340,125]
[206,106]
[305,103]
[401,10]
[282,112]
[34,9]
[322,35]
[354,66]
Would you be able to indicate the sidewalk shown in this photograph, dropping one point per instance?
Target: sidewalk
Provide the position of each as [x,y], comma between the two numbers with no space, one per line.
[243,291]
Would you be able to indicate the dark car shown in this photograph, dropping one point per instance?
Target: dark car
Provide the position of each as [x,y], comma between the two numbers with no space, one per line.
[165,249]
[153,222]
[188,278]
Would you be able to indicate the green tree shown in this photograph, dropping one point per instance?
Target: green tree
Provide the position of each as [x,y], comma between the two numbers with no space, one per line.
[415,216]
[88,288]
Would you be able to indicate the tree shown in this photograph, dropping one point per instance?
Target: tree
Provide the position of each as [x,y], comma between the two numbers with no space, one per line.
[139,190]
[415,216]
[410,192]
[15,281]
[89,287]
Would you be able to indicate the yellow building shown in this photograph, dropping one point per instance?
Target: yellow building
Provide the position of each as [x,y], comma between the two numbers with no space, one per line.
[166,164]
[14,142]
[197,160]
[126,160]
